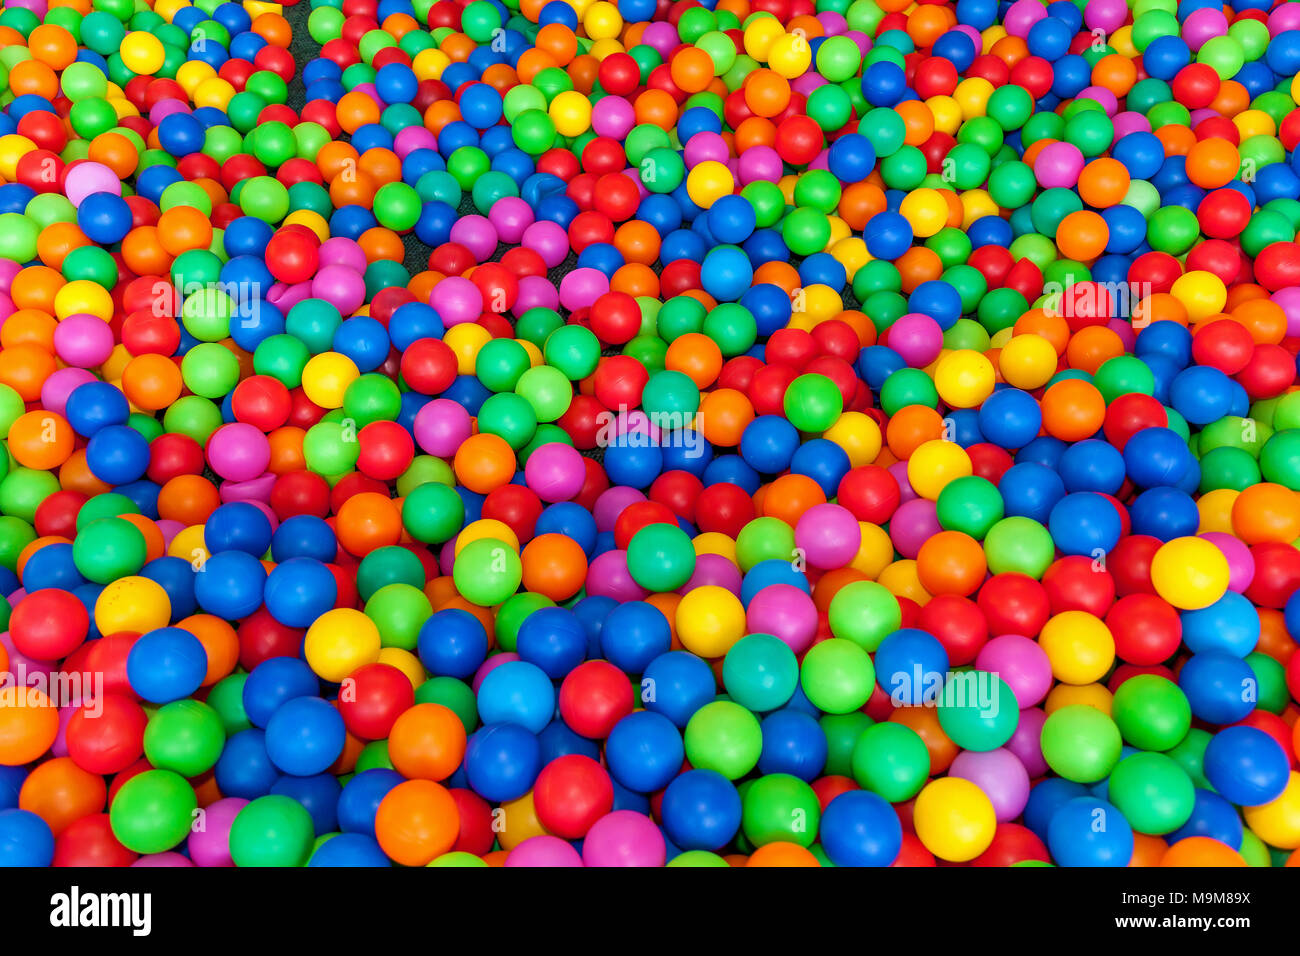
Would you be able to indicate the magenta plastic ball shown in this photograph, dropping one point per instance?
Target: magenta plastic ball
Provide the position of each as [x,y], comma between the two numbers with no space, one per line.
[90,177]
[715,570]
[1022,15]
[760,164]
[510,216]
[342,251]
[1022,663]
[491,664]
[342,287]
[786,612]
[1000,774]
[544,850]
[916,338]
[549,240]
[83,340]
[1025,742]
[1105,15]
[914,523]
[56,389]
[828,535]
[1202,25]
[581,287]
[1058,164]
[611,503]
[555,471]
[170,858]
[477,234]
[442,426]
[456,300]
[608,575]
[624,838]
[1241,563]
[238,451]
[210,845]
[536,292]
[612,116]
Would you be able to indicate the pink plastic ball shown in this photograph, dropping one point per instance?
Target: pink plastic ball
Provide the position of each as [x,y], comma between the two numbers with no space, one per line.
[624,838]
[544,850]
[914,523]
[1058,165]
[786,612]
[83,340]
[441,426]
[238,451]
[828,535]
[917,339]
[1025,742]
[340,286]
[1000,774]
[608,575]
[715,570]
[1022,663]
[555,471]
[581,287]
[456,300]
[510,216]
[210,846]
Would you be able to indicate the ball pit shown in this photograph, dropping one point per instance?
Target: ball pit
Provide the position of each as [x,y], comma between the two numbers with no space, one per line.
[694,433]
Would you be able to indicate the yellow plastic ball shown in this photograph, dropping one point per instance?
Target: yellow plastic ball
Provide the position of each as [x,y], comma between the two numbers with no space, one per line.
[759,36]
[820,302]
[1095,696]
[429,64]
[1027,361]
[83,296]
[1215,508]
[715,542]
[708,182]
[976,204]
[327,376]
[1202,293]
[214,91]
[1190,573]
[312,220]
[192,73]
[859,435]
[13,147]
[709,620]
[1278,823]
[406,662]
[1079,647]
[972,95]
[340,641]
[934,464]
[926,210]
[875,553]
[790,55]
[518,822]
[132,604]
[964,378]
[570,111]
[954,819]
[189,545]
[486,528]
[143,53]
[852,254]
[602,21]
[465,340]
[901,579]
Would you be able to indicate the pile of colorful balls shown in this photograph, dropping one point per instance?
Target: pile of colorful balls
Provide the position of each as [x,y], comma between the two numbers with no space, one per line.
[650,432]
